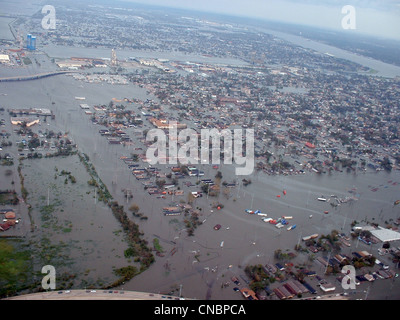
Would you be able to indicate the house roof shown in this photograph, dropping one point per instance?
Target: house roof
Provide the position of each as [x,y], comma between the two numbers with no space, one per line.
[10,215]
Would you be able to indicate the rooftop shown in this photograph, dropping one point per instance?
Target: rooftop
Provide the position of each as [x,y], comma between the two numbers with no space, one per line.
[386,234]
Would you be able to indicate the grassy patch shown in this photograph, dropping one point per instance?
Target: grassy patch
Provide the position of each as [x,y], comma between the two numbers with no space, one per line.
[46,212]
[125,274]
[14,268]
[26,60]
[157,246]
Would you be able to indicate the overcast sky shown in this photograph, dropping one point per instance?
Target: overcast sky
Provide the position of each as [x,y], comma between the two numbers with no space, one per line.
[374,17]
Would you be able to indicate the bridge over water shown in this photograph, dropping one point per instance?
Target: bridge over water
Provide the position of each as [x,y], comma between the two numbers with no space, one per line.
[34,76]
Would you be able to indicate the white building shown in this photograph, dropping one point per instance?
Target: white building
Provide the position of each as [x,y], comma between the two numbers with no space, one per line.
[327,287]
[4,58]
[385,234]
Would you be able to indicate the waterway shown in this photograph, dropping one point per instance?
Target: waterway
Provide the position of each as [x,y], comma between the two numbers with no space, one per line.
[379,68]
[201,263]
[382,69]
[5,32]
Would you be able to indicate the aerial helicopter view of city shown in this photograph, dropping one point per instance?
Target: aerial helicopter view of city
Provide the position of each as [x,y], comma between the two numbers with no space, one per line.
[165,150]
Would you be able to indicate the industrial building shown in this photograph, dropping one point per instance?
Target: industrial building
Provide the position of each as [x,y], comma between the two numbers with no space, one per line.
[386,235]
[4,58]
[20,120]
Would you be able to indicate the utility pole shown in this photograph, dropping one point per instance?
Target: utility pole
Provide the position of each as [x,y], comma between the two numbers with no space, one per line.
[298,242]
[329,258]
[366,294]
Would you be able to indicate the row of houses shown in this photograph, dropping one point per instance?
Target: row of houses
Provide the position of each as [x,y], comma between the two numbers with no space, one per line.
[290,289]
[172,211]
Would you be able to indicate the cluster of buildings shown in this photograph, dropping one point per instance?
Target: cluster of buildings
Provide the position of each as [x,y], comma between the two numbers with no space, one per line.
[13,57]
[10,56]
[346,125]
[292,282]
[75,63]
[28,117]
[310,111]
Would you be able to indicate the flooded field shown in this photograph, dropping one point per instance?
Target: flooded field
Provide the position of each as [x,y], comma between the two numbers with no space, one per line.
[5,32]
[89,241]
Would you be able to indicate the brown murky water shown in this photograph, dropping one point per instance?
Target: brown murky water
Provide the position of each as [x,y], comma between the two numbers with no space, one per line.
[199,264]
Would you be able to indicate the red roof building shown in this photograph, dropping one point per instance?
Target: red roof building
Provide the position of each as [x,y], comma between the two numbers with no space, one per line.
[310,145]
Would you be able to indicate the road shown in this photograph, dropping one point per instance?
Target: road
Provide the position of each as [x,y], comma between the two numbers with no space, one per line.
[33,76]
[93,295]
[333,296]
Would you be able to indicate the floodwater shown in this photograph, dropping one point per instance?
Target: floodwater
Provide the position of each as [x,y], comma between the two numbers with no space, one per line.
[5,32]
[200,264]
[89,241]
[383,69]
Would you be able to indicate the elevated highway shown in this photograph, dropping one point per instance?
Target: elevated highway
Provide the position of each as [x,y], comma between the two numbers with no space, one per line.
[34,76]
[98,294]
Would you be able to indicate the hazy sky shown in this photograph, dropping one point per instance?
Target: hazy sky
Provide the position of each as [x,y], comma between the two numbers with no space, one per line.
[375,17]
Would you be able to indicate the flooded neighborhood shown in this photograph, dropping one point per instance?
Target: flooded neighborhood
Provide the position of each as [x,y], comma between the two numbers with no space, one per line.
[79,191]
